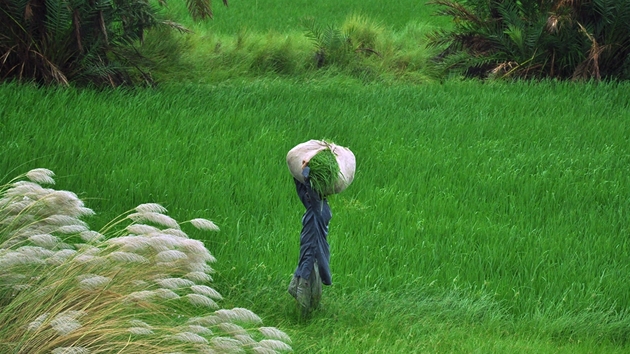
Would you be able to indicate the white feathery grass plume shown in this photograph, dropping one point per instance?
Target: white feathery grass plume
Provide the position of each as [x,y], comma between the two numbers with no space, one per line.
[204,224]
[159,275]
[174,283]
[91,236]
[13,258]
[209,320]
[263,350]
[226,345]
[198,277]
[197,329]
[93,281]
[45,240]
[238,314]
[142,229]
[14,205]
[275,345]
[65,246]
[37,323]
[231,328]
[197,251]
[139,323]
[25,190]
[89,259]
[143,295]
[89,249]
[189,337]
[66,322]
[139,330]
[71,350]
[126,257]
[207,291]
[156,218]
[246,339]
[60,256]
[175,232]
[61,219]
[200,267]
[82,211]
[170,256]
[35,251]
[129,243]
[163,242]
[166,294]
[65,202]
[72,229]
[150,208]
[200,300]
[41,175]
[274,333]
[168,265]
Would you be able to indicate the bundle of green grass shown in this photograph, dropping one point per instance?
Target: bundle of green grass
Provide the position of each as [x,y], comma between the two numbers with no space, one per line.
[331,166]
[324,172]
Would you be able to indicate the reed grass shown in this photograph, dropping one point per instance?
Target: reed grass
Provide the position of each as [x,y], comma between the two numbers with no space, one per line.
[66,289]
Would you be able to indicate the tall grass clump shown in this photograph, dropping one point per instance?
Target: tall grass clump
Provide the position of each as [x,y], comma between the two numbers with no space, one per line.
[142,289]
[357,47]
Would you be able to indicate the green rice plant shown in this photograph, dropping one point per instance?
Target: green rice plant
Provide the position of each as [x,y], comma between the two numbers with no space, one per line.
[506,192]
[67,289]
[324,172]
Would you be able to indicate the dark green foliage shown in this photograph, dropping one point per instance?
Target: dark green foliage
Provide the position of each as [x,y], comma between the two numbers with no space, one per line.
[343,46]
[83,41]
[324,172]
[542,38]
[332,46]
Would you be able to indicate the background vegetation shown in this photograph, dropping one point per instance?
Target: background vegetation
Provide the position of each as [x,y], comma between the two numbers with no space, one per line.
[559,39]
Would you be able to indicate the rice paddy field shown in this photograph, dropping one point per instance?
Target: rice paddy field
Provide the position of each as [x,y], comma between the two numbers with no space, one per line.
[485,217]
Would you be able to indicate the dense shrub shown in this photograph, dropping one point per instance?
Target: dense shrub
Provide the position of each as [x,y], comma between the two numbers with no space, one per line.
[579,39]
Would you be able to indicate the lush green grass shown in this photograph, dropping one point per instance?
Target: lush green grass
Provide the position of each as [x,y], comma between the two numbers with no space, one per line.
[357,39]
[286,16]
[483,217]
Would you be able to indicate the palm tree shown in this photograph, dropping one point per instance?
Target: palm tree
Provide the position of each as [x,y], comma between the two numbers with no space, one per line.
[542,38]
[83,41]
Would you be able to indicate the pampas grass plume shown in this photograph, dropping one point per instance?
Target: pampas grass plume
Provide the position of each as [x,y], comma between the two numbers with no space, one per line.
[174,283]
[204,224]
[207,291]
[150,208]
[53,264]
[275,344]
[41,175]
[274,333]
[189,337]
[156,218]
[201,300]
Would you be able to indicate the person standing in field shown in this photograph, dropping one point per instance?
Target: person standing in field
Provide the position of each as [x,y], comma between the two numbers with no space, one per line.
[314,263]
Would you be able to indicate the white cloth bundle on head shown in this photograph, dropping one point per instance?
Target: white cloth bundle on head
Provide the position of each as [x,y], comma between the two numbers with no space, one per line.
[305,151]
